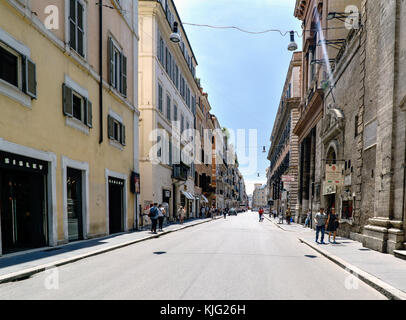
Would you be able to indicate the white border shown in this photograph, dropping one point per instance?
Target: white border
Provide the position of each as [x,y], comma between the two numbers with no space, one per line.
[113,174]
[51,184]
[84,167]
[76,87]
[14,44]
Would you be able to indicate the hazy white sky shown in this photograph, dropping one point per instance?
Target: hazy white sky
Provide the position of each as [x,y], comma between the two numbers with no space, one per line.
[243,74]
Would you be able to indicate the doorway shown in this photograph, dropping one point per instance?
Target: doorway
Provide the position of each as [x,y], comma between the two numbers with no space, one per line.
[116,189]
[23,210]
[74,204]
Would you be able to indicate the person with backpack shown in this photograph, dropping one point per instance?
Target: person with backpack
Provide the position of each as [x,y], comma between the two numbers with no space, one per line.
[153,215]
[288,215]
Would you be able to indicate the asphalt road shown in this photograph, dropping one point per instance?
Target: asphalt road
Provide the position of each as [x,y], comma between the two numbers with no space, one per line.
[237,258]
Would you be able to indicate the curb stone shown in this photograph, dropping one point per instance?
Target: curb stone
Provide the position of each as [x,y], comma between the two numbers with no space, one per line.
[387,290]
[27,273]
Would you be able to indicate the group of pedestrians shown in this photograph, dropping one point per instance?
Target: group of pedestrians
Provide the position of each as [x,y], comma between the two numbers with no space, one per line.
[325,222]
[157,215]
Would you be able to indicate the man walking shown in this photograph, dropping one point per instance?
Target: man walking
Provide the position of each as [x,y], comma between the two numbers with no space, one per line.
[153,214]
[320,220]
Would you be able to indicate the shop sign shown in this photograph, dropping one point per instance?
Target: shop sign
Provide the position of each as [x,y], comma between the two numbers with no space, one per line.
[329,188]
[347,180]
[167,193]
[334,174]
[115,181]
[288,179]
[135,184]
[14,161]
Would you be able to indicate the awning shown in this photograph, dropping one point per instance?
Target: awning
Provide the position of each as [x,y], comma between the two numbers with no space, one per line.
[188,195]
[204,198]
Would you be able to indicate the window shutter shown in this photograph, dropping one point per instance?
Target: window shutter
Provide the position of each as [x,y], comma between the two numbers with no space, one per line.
[110,127]
[122,134]
[67,100]
[124,75]
[111,61]
[89,114]
[29,77]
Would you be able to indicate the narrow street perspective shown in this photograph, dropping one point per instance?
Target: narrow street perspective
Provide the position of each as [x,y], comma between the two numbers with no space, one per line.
[236,258]
[203,150]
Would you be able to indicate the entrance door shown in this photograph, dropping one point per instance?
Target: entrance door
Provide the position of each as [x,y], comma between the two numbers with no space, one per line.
[22,210]
[116,187]
[74,197]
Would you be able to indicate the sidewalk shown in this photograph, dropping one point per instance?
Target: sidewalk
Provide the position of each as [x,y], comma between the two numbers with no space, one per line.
[22,265]
[384,272]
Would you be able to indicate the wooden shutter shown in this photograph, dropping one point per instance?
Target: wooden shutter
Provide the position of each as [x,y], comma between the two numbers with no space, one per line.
[111,61]
[67,100]
[122,127]
[29,77]
[89,114]
[124,75]
[110,129]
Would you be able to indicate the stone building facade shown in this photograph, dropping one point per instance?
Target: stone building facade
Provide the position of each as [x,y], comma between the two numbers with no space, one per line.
[361,125]
[283,153]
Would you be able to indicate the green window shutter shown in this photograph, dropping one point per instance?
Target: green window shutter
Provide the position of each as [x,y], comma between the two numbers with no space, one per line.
[29,77]
[124,75]
[111,61]
[110,127]
[89,114]
[122,134]
[67,100]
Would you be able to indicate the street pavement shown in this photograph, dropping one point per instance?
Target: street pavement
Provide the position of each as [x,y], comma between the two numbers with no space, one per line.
[384,267]
[234,258]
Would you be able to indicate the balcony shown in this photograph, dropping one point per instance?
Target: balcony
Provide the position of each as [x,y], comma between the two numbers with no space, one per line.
[180,171]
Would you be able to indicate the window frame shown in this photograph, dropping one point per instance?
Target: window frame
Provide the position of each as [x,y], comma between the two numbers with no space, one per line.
[68,26]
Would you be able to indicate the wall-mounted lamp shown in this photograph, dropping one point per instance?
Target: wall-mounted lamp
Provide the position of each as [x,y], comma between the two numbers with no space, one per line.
[322,61]
[175,36]
[335,43]
[292,45]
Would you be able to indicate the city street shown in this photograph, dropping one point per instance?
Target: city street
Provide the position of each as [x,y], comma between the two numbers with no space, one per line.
[236,258]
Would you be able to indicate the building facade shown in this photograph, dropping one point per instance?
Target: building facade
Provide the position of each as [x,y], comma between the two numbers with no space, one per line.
[167,103]
[283,153]
[69,121]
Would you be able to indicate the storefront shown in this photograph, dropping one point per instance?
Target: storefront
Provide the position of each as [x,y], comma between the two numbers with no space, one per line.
[186,201]
[23,202]
[116,205]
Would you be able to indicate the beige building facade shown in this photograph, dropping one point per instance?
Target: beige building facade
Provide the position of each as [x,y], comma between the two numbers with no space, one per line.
[68,141]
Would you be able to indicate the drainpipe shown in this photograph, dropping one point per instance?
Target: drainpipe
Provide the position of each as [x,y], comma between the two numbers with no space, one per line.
[101,70]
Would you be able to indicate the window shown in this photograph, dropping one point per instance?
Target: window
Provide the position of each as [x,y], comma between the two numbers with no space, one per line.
[116,130]
[168,107]
[77,106]
[76,26]
[160,98]
[356,126]
[188,97]
[175,112]
[118,68]
[18,70]
[193,104]
[177,77]
[182,123]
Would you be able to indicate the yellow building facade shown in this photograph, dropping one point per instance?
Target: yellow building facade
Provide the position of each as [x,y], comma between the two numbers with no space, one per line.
[68,145]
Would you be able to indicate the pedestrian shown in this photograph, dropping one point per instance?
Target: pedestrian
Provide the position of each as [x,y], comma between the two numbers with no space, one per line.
[161,217]
[308,219]
[181,214]
[288,215]
[320,221]
[261,213]
[332,225]
[225,213]
[153,215]
[202,213]
[280,216]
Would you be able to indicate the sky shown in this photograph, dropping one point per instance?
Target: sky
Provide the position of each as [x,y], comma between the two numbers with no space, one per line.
[243,74]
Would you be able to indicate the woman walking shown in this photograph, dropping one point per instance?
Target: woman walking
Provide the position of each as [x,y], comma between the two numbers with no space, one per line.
[181,214]
[332,225]
[161,217]
[288,215]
